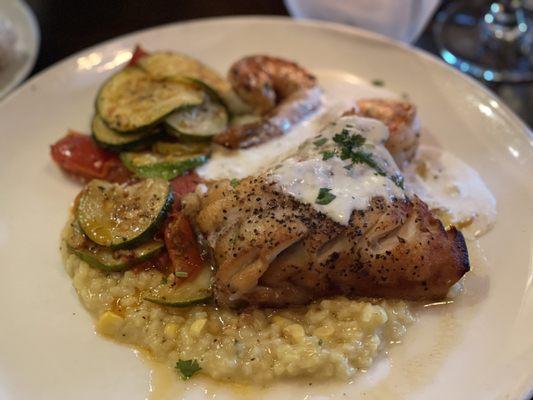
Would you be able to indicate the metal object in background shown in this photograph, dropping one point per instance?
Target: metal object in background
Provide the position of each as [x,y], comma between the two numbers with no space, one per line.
[491,41]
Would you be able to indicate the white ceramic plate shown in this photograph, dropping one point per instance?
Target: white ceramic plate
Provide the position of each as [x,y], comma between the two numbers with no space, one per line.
[481,347]
[27,47]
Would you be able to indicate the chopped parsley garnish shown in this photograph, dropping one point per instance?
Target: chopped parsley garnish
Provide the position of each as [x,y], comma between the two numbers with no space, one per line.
[378,82]
[345,139]
[327,154]
[320,342]
[347,142]
[362,157]
[164,281]
[320,141]
[234,182]
[324,196]
[187,368]
[349,148]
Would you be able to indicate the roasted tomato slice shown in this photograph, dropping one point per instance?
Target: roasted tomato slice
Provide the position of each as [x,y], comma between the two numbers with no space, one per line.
[80,156]
[138,52]
[180,240]
[161,262]
[182,245]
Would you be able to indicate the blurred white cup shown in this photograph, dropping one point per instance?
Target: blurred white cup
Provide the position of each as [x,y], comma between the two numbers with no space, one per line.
[399,19]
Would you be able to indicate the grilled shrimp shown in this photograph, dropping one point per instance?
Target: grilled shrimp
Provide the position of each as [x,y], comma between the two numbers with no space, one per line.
[281,91]
[401,119]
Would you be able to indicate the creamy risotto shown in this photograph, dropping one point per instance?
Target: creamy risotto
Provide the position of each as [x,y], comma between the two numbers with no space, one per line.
[333,337]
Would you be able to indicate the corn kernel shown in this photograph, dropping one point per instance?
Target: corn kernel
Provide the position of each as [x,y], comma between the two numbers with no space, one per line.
[109,323]
[197,326]
[171,331]
[280,321]
[373,315]
[294,331]
[324,331]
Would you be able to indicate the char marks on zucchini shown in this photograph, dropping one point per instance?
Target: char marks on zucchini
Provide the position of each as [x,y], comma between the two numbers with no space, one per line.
[131,99]
[198,123]
[180,67]
[121,215]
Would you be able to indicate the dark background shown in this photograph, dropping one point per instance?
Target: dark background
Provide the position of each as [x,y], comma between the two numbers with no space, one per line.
[68,26]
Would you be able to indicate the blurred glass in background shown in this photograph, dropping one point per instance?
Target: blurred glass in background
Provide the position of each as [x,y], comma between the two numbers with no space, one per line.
[489,39]
[399,19]
[492,40]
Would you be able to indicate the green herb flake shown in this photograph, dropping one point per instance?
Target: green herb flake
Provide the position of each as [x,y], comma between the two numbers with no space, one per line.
[234,182]
[348,141]
[187,368]
[181,274]
[164,281]
[362,157]
[320,141]
[327,154]
[349,148]
[357,140]
[378,82]
[320,342]
[346,153]
[340,138]
[324,196]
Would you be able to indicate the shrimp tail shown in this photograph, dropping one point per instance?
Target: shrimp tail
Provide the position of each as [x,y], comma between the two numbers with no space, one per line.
[247,135]
[279,121]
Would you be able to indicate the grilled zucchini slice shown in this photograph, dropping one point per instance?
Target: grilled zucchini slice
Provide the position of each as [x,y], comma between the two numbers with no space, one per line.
[175,66]
[168,65]
[131,99]
[121,215]
[148,164]
[118,260]
[112,140]
[103,257]
[199,123]
[187,294]
[180,149]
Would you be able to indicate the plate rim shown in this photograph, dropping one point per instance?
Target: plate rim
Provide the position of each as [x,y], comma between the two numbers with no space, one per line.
[505,112]
[332,26]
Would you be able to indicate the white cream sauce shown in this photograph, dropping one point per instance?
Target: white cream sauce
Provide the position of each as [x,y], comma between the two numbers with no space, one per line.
[351,186]
[340,92]
[459,192]
[452,188]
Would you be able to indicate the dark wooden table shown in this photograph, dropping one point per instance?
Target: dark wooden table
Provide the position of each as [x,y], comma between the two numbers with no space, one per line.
[68,26]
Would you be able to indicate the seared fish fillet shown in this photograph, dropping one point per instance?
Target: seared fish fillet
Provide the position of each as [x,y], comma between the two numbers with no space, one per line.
[273,249]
